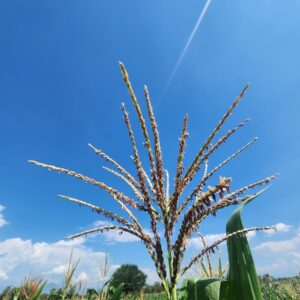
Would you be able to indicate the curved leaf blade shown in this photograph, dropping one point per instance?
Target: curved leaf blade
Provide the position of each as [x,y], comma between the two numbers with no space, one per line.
[243,283]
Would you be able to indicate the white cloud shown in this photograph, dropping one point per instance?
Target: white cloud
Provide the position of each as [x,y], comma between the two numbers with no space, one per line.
[3,222]
[19,258]
[251,235]
[280,227]
[283,246]
[100,223]
[61,269]
[285,255]
[82,277]
[112,237]
[3,275]
[116,236]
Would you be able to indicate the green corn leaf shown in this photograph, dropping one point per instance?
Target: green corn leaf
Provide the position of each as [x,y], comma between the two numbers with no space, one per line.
[203,269]
[224,290]
[117,292]
[243,283]
[182,292]
[220,268]
[200,289]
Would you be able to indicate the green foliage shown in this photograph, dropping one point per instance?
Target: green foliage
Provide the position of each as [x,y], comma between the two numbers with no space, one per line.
[155,288]
[280,289]
[9,293]
[205,266]
[133,278]
[203,289]
[31,288]
[69,289]
[156,296]
[243,283]
[272,289]
[183,209]
[108,292]
[274,293]
[116,292]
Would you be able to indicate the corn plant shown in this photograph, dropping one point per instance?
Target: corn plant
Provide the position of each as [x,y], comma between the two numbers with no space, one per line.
[9,293]
[104,267]
[274,292]
[31,288]
[69,288]
[107,291]
[205,266]
[178,214]
[241,281]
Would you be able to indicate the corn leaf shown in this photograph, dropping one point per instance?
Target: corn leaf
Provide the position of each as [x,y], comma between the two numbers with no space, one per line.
[117,292]
[200,289]
[243,283]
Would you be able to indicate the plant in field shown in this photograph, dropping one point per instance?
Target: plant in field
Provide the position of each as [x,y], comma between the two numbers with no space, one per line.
[9,293]
[31,288]
[280,289]
[241,281]
[178,214]
[107,291]
[155,288]
[205,266]
[69,288]
[104,267]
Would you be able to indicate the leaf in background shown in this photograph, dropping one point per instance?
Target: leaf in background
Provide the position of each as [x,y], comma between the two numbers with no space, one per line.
[36,295]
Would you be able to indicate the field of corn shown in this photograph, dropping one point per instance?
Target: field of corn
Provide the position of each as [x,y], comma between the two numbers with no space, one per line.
[272,289]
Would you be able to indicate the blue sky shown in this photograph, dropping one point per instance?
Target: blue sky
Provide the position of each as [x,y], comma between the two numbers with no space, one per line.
[61,88]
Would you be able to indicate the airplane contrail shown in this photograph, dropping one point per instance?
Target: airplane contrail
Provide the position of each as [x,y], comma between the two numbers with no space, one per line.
[187,45]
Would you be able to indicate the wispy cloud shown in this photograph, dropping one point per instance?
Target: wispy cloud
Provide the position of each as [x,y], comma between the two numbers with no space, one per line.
[280,228]
[115,236]
[282,246]
[3,222]
[285,255]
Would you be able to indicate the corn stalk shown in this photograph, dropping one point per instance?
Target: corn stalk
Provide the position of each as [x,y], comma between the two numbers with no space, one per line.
[176,216]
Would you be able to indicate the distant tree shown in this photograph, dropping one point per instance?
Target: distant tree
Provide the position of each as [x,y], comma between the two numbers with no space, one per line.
[156,287]
[266,279]
[133,278]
